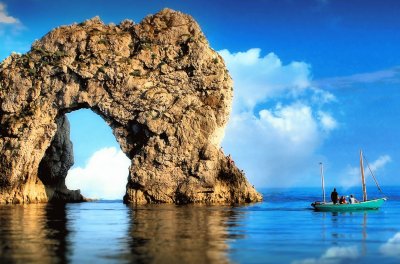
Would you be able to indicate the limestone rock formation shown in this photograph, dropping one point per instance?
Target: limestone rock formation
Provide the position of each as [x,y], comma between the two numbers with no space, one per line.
[164,92]
[55,164]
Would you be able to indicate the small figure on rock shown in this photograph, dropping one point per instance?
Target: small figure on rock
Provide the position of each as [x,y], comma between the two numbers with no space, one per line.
[230,161]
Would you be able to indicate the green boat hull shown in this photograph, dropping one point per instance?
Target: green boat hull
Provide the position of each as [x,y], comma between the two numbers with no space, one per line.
[367,205]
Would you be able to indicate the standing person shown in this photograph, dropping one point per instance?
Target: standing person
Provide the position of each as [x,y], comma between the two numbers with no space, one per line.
[334,196]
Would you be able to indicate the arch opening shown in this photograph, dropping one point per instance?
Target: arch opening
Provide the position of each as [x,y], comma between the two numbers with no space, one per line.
[84,160]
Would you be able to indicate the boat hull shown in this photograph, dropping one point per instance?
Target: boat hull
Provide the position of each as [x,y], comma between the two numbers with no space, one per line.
[367,205]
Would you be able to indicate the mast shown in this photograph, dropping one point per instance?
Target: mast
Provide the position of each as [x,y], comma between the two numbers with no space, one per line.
[364,188]
[322,180]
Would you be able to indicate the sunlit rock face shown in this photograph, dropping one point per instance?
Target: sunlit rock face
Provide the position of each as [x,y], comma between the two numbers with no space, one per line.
[164,92]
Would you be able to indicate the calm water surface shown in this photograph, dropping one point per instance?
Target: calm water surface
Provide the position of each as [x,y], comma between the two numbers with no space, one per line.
[282,229]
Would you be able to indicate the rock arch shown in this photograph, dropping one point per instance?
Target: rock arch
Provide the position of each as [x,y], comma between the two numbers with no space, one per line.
[165,93]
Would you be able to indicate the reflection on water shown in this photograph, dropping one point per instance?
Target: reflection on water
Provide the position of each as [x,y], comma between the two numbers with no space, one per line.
[282,229]
[188,234]
[115,233]
[346,225]
[30,233]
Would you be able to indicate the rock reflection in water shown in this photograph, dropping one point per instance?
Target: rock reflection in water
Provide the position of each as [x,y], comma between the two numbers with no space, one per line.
[33,233]
[180,234]
[111,232]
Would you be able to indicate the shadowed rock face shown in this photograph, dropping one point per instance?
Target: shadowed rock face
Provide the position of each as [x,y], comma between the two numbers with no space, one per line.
[55,164]
[164,92]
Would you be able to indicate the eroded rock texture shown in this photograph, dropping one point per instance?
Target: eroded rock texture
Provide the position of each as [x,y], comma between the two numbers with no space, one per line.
[165,93]
[55,164]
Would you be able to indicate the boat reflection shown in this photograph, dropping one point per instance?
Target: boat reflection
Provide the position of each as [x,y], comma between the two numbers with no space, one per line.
[350,227]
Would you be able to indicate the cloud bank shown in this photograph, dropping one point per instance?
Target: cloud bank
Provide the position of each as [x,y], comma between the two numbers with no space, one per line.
[104,176]
[278,120]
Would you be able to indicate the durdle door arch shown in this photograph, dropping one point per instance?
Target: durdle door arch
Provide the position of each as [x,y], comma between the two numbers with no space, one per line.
[164,92]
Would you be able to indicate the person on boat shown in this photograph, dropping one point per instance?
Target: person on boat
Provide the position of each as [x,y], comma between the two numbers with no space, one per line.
[353,200]
[342,200]
[334,196]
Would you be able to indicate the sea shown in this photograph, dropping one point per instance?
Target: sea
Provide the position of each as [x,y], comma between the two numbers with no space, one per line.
[281,229]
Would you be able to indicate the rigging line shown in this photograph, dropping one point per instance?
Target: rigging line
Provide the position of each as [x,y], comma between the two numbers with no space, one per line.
[373,176]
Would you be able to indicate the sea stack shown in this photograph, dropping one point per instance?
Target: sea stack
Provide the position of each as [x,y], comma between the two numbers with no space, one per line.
[161,88]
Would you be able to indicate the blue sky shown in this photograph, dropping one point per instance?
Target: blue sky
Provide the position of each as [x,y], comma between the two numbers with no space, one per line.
[315,80]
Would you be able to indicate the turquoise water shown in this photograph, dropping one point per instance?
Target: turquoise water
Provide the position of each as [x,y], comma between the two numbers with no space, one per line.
[282,229]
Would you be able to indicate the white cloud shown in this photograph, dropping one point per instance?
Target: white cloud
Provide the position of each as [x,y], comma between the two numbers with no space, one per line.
[294,123]
[351,176]
[5,18]
[332,255]
[10,34]
[386,75]
[104,176]
[341,252]
[327,121]
[392,246]
[259,78]
[321,97]
[279,141]
[380,162]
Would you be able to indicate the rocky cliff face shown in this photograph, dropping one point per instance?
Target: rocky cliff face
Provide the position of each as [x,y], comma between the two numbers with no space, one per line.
[165,93]
[55,164]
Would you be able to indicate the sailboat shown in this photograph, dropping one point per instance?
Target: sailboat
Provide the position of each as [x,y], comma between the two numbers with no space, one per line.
[363,205]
